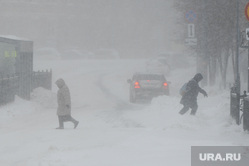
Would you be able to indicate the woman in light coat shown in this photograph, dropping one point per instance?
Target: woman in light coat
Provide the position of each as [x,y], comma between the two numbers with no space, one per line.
[64,104]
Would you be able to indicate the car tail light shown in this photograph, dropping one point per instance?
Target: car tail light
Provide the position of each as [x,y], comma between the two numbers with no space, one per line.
[136,85]
[165,84]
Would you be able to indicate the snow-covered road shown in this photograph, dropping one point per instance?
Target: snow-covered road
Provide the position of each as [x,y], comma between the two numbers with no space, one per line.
[111,131]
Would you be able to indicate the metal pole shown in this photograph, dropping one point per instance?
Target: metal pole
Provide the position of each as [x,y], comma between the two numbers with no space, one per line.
[237,82]
[248,71]
[237,41]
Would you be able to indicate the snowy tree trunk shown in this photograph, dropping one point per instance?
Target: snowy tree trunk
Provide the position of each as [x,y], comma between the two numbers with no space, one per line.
[212,70]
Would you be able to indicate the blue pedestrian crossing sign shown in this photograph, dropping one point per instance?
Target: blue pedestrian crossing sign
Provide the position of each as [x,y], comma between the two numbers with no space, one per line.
[191,16]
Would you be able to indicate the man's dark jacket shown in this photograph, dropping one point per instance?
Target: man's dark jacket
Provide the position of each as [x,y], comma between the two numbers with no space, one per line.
[190,97]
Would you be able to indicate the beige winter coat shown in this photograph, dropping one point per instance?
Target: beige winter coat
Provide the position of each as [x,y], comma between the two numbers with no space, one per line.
[63,98]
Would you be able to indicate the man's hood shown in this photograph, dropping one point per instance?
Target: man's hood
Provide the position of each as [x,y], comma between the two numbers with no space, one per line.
[198,77]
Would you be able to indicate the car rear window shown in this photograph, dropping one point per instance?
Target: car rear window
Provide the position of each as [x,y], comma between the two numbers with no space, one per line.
[148,77]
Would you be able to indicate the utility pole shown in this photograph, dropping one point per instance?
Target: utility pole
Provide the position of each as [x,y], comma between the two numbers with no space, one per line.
[236,112]
[202,56]
[237,82]
[248,70]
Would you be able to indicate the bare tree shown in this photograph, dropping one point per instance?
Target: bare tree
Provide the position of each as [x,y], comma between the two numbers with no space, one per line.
[216,34]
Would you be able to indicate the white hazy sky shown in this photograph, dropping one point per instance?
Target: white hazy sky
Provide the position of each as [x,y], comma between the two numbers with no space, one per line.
[134,28]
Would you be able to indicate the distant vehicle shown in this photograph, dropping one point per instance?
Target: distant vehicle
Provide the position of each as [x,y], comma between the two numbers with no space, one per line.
[76,54]
[47,53]
[106,54]
[147,85]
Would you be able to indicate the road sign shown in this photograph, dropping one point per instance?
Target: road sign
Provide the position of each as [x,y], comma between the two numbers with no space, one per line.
[191,30]
[243,41]
[247,33]
[191,16]
[247,11]
[191,41]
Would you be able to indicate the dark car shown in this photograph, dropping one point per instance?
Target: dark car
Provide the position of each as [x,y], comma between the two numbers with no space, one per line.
[147,85]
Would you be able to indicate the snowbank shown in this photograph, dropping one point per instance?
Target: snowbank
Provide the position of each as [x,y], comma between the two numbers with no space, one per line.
[44,97]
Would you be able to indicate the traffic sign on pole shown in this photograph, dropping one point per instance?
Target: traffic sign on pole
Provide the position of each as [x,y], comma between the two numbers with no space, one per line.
[191,30]
[247,33]
[191,41]
[191,16]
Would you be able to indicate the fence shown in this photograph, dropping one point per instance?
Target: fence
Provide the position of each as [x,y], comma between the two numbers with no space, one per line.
[8,89]
[16,58]
[246,114]
[11,86]
[240,103]
[235,105]
[42,79]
